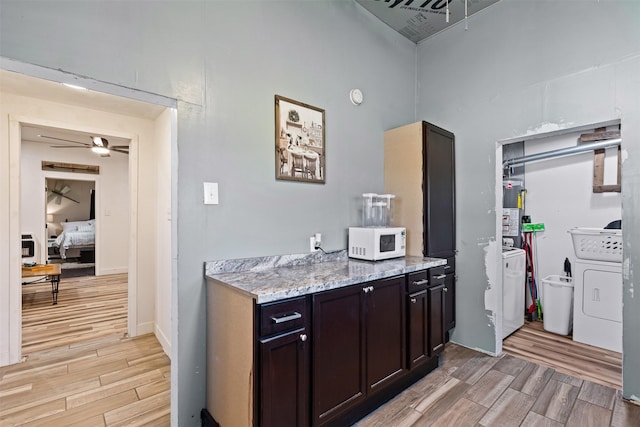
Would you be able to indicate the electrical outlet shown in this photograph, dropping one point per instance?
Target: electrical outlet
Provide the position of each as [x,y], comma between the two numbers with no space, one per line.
[315,242]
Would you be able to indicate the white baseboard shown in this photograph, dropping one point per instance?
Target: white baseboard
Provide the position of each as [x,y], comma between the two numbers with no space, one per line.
[107,271]
[164,341]
[145,328]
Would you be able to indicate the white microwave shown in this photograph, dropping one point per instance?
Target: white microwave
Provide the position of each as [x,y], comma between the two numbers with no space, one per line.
[377,243]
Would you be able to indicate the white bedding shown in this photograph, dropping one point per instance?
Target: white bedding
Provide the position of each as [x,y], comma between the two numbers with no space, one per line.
[75,239]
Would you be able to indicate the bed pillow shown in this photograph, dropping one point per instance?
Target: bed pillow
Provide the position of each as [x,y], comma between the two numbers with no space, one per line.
[75,225]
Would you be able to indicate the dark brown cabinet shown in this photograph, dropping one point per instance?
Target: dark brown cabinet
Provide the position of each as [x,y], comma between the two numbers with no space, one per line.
[436,318]
[450,302]
[359,344]
[419,168]
[284,371]
[284,379]
[418,328]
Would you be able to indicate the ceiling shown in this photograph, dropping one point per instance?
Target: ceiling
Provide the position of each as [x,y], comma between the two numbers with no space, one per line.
[23,85]
[420,19]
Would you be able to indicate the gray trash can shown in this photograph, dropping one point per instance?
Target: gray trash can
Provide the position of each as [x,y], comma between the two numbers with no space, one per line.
[557,304]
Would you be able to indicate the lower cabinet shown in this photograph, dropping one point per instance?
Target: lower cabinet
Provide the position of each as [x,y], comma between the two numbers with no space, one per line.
[284,379]
[436,318]
[450,302]
[331,357]
[418,328]
[359,344]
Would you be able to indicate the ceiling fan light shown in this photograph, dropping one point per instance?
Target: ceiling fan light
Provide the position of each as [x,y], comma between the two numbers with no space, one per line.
[100,150]
[98,140]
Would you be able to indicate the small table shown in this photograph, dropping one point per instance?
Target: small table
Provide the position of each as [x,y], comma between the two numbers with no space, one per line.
[47,272]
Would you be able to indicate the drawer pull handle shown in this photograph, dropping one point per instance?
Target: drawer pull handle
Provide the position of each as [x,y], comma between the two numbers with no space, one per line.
[367,289]
[420,282]
[287,318]
[447,267]
[436,348]
[303,337]
[413,300]
[441,276]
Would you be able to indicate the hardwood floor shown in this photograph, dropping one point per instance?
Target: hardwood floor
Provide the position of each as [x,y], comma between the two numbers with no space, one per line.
[80,369]
[88,308]
[473,389]
[594,364]
[111,381]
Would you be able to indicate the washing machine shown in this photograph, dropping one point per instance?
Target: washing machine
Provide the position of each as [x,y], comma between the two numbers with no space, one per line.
[597,309]
[513,287]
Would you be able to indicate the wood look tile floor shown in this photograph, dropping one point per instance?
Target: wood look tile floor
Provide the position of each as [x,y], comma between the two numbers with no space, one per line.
[80,369]
[88,307]
[473,389]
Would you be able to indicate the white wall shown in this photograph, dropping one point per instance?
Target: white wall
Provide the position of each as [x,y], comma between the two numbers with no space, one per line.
[112,197]
[525,68]
[560,194]
[20,108]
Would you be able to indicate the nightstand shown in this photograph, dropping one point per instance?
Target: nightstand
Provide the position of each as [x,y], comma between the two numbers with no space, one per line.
[52,251]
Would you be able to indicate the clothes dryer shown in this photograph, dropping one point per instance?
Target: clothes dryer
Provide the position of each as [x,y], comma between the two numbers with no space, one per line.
[597,309]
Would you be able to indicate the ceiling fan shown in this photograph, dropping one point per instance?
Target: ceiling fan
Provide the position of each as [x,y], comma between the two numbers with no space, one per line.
[98,145]
[59,190]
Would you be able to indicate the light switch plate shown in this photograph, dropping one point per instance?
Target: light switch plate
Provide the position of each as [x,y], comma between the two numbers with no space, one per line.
[210,193]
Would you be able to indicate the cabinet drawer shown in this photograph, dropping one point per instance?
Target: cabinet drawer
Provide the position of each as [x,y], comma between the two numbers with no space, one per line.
[417,280]
[282,315]
[436,275]
[450,267]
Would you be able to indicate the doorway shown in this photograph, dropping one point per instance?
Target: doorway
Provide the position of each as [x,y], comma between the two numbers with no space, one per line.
[147,123]
[558,194]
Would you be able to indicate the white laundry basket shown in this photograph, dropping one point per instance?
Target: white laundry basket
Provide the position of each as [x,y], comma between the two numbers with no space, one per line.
[597,244]
[557,306]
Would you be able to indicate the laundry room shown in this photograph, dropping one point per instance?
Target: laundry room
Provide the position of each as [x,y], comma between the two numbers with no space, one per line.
[562,205]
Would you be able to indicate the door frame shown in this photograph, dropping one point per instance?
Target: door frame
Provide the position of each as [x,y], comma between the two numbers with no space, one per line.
[15,284]
[71,176]
[496,253]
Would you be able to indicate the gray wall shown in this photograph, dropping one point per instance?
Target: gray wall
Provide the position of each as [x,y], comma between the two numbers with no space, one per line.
[521,68]
[224,62]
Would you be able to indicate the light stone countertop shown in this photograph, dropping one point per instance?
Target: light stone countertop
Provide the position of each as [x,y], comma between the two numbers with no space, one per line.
[275,278]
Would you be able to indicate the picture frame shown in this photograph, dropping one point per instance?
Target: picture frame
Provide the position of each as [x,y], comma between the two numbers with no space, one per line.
[300,144]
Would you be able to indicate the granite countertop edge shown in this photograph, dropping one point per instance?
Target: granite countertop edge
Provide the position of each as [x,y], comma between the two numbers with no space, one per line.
[269,279]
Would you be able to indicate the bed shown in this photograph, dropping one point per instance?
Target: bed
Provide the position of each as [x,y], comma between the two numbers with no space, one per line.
[76,236]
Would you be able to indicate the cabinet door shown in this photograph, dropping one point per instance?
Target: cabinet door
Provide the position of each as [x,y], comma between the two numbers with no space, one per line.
[338,351]
[418,328]
[439,191]
[284,380]
[385,344]
[436,319]
[450,302]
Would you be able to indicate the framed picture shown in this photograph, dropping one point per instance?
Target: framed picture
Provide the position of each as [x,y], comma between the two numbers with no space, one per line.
[300,141]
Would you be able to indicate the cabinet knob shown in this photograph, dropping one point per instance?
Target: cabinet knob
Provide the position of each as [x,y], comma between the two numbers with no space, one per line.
[413,300]
[303,337]
[370,288]
[445,289]
[365,289]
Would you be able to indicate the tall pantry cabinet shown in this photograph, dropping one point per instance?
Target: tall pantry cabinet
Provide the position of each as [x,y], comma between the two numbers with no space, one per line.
[419,168]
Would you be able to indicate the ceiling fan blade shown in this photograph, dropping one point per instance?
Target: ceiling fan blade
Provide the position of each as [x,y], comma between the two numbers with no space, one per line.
[105,155]
[68,146]
[62,139]
[119,151]
[58,200]
[67,197]
[50,197]
[123,147]
[65,189]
